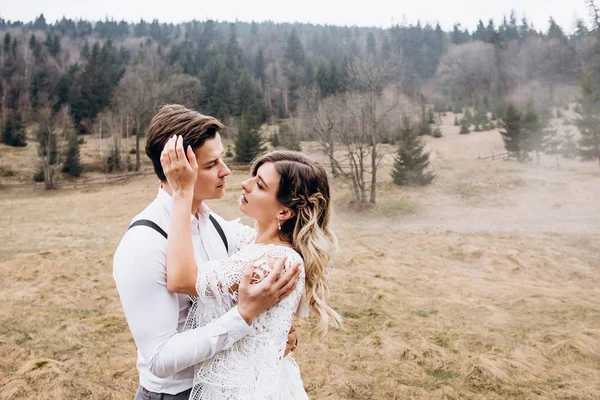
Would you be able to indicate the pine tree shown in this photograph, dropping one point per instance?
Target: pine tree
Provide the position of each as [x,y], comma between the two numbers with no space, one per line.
[588,121]
[85,50]
[52,43]
[13,132]
[468,116]
[248,143]
[386,48]
[35,47]
[555,31]
[322,80]
[72,164]
[295,60]
[259,67]
[234,56]
[553,143]
[92,90]
[40,88]
[457,108]
[250,98]
[480,118]
[371,45]
[464,127]
[274,139]
[294,51]
[430,116]
[513,134]
[40,23]
[424,126]
[288,138]
[411,161]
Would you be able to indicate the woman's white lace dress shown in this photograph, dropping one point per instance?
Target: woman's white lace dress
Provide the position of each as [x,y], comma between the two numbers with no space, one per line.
[254,367]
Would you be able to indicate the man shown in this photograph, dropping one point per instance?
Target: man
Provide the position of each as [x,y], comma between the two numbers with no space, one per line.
[155,312]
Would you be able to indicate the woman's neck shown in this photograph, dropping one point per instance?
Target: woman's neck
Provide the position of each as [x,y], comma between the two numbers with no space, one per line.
[268,234]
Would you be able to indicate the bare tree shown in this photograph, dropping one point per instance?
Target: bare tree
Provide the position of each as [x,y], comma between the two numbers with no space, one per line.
[467,70]
[375,107]
[356,122]
[48,147]
[139,92]
[318,120]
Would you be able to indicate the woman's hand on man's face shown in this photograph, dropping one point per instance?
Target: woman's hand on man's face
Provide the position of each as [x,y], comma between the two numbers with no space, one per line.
[181,174]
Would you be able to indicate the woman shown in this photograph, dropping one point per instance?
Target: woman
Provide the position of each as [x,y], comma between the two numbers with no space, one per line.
[288,197]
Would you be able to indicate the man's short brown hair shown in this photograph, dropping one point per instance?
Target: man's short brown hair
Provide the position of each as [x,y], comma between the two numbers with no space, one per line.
[175,119]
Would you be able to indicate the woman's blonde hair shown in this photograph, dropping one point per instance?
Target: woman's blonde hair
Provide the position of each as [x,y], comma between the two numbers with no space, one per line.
[304,189]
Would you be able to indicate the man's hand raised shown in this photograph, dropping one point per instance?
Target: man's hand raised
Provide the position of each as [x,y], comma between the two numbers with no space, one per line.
[254,298]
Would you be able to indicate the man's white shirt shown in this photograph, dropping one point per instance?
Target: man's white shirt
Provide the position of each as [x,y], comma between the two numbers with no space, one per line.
[156,317]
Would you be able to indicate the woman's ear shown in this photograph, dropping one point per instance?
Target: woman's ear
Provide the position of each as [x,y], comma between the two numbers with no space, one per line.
[285,214]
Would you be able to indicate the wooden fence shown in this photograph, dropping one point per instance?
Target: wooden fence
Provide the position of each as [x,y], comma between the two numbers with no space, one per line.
[78,183]
[501,156]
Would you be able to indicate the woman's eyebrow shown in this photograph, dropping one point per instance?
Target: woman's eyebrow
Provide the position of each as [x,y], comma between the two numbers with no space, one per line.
[262,180]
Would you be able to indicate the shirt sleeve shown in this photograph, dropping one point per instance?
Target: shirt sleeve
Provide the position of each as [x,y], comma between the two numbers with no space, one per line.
[153,313]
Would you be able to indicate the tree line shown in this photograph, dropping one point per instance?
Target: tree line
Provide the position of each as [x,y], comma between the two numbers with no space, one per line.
[108,77]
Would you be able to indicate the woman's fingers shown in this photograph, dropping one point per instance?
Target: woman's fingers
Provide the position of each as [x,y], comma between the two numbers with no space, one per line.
[192,158]
[179,150]
[172,152]
[165,158]
[285,290]
[273,277]
[247,276]
[288,276]
[181,174]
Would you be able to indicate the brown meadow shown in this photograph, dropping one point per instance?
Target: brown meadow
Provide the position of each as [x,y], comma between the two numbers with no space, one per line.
[483,285]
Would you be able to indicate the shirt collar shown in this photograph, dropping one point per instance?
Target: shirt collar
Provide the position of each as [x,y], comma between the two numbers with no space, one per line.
[165,200]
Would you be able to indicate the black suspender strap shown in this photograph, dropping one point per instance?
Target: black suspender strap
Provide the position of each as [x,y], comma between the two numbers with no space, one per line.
[149,224]
[220,231]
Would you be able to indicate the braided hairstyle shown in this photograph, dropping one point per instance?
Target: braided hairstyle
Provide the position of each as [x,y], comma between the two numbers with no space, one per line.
[304,189]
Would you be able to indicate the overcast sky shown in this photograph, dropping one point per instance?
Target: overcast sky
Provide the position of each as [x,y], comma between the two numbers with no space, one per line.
[333,12]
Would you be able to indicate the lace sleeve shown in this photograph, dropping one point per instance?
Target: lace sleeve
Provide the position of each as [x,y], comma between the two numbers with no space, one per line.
[242,235]
[219,280]
[246,235]
[253,366]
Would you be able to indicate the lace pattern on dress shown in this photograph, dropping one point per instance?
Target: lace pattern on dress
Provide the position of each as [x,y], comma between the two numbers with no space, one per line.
[254,366]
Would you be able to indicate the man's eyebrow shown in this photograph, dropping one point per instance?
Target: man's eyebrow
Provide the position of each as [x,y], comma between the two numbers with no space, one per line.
[212,161]
[262,180]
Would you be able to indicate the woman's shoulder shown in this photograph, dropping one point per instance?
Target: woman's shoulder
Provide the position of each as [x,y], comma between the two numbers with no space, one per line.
[273,251]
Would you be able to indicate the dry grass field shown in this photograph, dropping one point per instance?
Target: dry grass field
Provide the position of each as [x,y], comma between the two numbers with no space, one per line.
[483,285]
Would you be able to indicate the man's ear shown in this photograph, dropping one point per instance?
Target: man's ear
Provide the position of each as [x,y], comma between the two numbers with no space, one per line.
[285,214]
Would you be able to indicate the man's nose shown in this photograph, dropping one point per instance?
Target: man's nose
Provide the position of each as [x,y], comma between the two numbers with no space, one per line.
[225,171]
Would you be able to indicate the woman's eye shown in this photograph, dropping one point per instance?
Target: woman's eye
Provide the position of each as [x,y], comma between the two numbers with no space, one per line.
[259,185]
